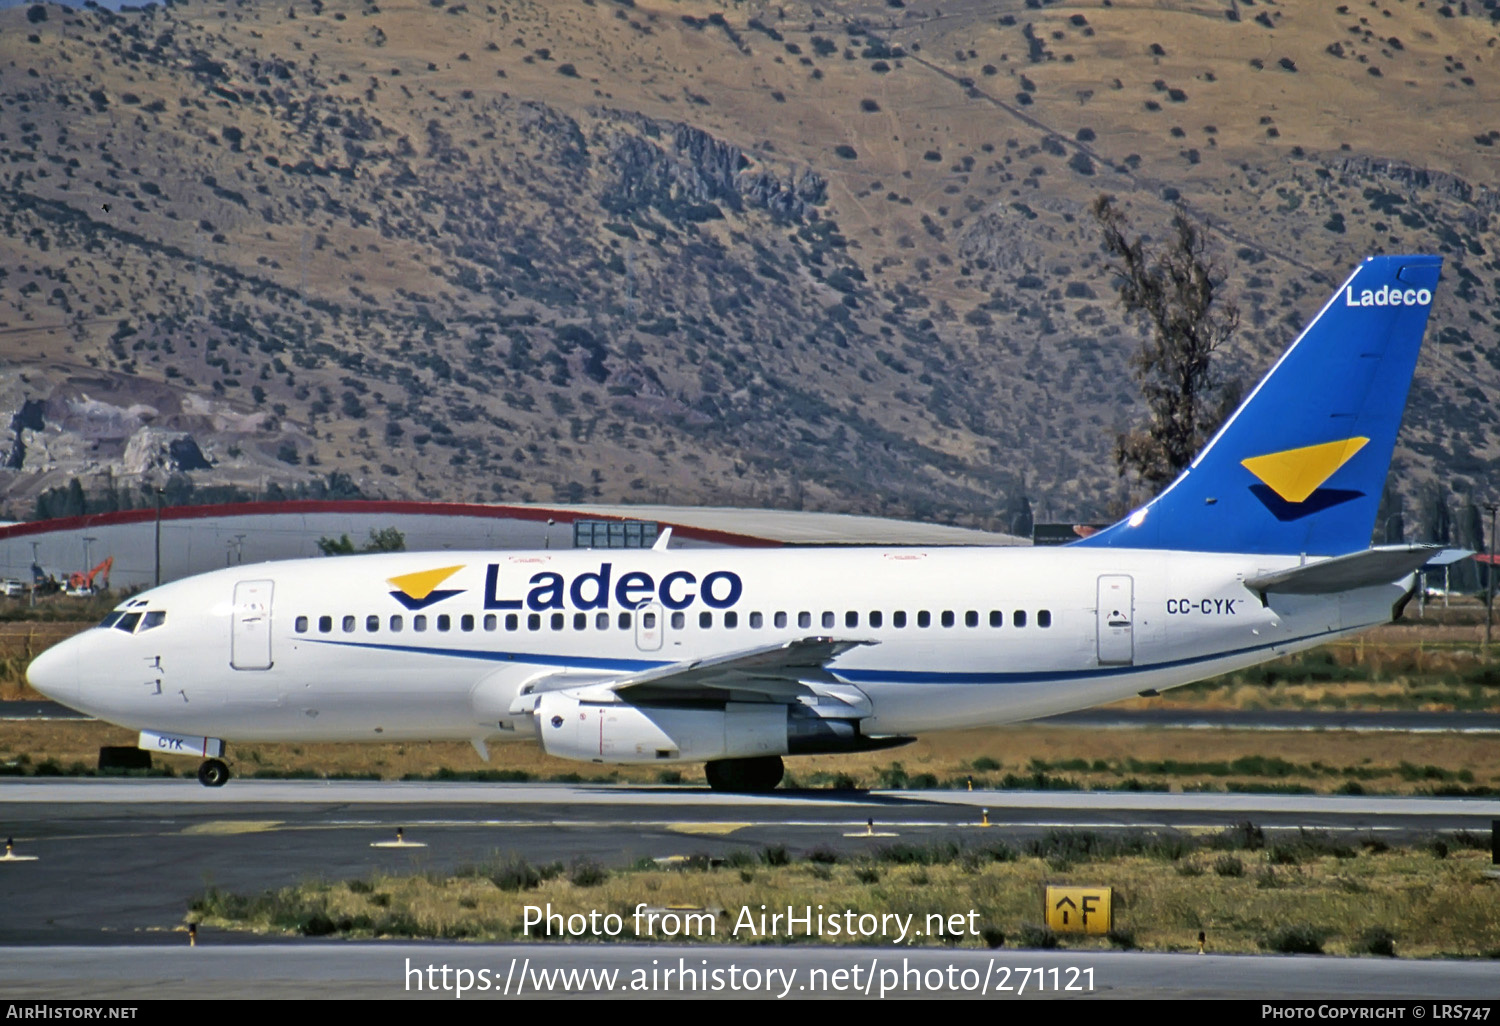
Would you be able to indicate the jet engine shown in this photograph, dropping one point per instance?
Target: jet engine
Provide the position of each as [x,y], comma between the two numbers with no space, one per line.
[619,732]
[574,727]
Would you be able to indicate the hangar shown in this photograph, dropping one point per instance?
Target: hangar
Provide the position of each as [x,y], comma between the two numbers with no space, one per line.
[147,546]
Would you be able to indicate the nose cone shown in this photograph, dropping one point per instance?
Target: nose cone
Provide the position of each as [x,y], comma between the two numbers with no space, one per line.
[55,673]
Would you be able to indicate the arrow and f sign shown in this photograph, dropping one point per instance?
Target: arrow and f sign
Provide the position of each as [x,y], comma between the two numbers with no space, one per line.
[1079,909]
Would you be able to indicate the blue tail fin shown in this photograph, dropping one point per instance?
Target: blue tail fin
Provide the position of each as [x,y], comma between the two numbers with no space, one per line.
[1300,466]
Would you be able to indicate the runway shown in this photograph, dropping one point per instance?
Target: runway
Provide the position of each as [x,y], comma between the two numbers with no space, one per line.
[118,860]
[385,971]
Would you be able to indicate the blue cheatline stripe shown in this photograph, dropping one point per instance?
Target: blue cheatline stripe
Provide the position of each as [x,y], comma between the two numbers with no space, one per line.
[852,676]
[1053,676]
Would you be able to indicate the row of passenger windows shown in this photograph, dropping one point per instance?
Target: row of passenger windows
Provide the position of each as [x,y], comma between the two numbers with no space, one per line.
[729,620]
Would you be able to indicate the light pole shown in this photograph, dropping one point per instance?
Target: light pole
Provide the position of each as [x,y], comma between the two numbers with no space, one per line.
[1387,530]
[1489,578]
[157,493]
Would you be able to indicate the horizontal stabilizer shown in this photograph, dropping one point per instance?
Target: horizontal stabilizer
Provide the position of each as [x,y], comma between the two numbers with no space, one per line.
[1365,569]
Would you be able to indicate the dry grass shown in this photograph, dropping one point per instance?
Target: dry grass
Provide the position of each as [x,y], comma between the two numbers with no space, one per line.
[1426,903]
[1190,759]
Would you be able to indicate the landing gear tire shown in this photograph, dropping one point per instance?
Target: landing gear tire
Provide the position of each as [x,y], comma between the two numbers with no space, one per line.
[213,773]
[762,774]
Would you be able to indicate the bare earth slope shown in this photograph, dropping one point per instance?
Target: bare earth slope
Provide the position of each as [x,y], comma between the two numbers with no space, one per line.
[834,255]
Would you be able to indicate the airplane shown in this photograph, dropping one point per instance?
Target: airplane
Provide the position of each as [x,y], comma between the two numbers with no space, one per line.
[736,658]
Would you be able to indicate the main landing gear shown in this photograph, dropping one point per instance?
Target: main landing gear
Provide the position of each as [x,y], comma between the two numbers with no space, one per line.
[759,774]
[213,773]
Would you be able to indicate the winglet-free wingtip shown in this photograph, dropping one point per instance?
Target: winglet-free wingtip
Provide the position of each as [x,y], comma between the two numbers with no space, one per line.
[662,541]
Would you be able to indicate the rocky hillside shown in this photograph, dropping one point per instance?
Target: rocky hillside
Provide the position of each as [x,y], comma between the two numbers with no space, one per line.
[832,255]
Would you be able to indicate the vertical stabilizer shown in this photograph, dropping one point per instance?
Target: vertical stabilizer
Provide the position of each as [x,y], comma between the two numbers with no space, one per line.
[1300,466]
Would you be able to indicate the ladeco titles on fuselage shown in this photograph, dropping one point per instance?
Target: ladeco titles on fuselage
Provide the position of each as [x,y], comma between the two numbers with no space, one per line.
[598,589]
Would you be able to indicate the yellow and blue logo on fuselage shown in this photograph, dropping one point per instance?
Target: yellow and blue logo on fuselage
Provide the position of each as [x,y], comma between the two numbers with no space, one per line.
[420,590]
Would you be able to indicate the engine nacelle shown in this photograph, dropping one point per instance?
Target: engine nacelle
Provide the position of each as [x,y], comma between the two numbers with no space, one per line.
[619,732]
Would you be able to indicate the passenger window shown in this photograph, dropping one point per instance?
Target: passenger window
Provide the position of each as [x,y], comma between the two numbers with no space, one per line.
[397,623]
[705,620]
[875,618]
[419,623]
[127,622]
[827,619]
[780,620]
[851,619]
[624,621]
[580,621]
[533,621]
[679,621]
[348,625]
[325,624]
[947,618]
[804,619]
[997,618]
[558,621]
[755,621]
[1018,618]
[491,621]
[372,624]
[466,622]
[1044,618]
[648,620]
[898,619]
[601,621]
[924,619]
[731,620]
[512,621]
[301,626]
[444,621]
[971,618]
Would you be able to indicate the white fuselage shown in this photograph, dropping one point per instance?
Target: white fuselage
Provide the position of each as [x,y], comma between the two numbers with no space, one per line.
[327,650]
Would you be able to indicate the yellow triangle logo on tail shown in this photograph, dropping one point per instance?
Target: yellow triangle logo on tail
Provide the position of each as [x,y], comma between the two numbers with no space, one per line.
[1294,474]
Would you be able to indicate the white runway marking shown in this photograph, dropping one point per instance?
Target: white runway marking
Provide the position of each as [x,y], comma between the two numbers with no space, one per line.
[297,792]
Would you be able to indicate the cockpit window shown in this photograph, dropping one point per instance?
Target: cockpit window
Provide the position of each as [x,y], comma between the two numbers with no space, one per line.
[155,618]
[109,621]
[127,622]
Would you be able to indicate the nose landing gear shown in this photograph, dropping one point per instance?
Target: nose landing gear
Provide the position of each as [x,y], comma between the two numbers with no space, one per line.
[213,773]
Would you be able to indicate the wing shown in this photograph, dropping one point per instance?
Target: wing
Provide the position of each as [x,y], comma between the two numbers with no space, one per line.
[781,670]
[785,671]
